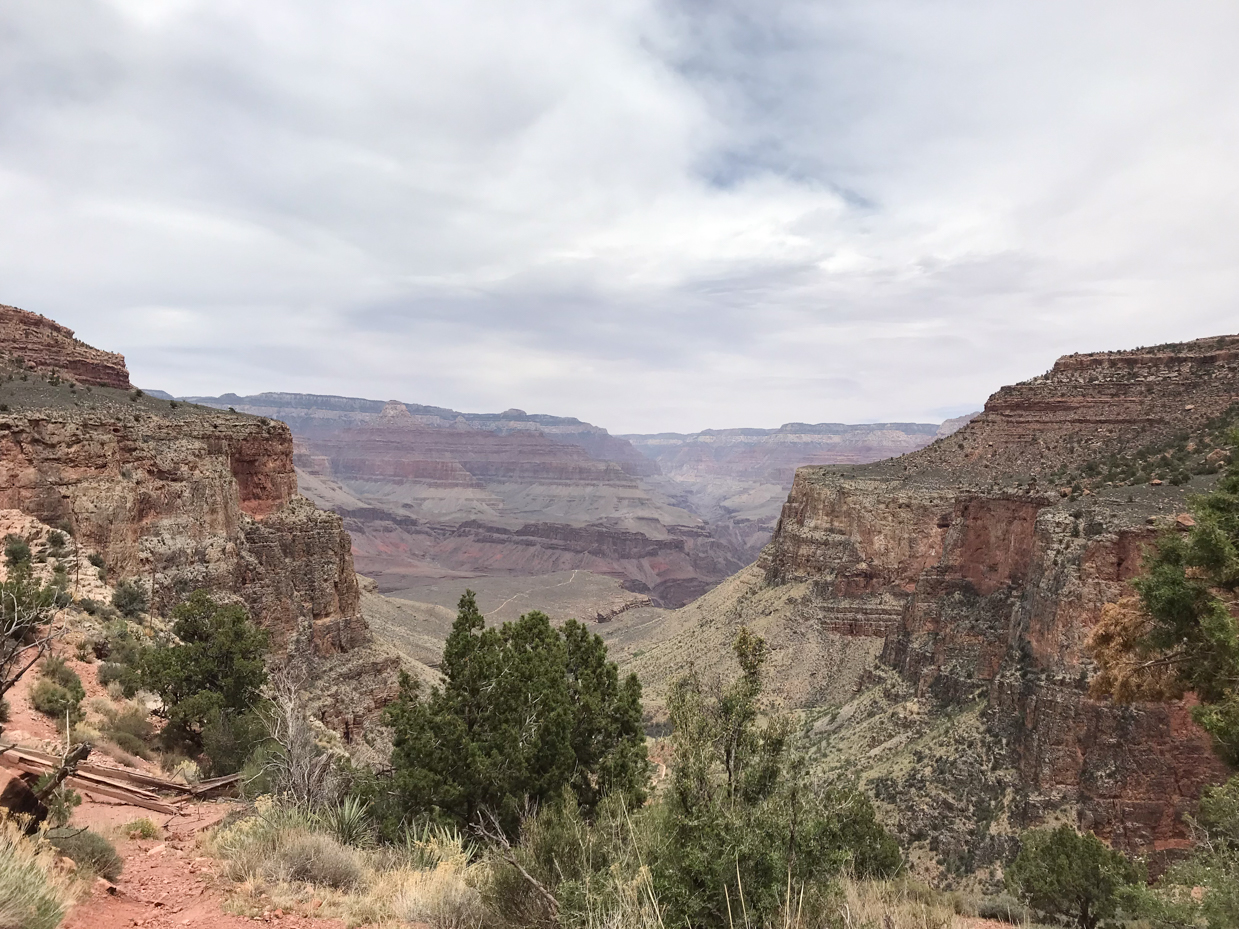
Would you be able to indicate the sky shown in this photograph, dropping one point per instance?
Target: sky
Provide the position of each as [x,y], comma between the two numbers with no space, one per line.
[650,215]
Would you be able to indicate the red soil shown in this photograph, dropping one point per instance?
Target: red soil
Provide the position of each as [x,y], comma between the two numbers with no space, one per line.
[167,883]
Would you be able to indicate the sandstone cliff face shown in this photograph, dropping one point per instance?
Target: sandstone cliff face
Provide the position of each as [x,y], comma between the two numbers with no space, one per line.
[44,345]
[178,497]
[203,500]
[984,585]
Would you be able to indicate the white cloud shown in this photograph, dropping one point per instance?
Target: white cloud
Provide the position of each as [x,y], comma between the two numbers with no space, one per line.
[652,215]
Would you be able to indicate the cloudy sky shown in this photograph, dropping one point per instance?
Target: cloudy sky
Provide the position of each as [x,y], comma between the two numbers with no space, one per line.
[651,215]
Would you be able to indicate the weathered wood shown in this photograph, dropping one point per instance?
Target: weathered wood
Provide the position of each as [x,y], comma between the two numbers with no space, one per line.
[72,759]
[39,763]
[124,796]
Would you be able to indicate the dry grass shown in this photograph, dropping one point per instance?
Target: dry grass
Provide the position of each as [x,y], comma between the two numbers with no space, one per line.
[287,858]
[892,905]
[34,893]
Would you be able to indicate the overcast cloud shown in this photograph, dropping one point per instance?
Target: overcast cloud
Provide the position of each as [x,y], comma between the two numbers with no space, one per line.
[650,215]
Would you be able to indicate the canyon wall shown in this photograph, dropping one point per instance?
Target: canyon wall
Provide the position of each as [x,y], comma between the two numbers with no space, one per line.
[177,497]
[429,492]
[984,578]
[35,343]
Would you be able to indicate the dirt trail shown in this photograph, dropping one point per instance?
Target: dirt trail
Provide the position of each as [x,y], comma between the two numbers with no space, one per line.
[167,882]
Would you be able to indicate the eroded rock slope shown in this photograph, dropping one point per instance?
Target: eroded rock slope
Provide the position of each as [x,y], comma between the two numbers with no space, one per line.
[979,578]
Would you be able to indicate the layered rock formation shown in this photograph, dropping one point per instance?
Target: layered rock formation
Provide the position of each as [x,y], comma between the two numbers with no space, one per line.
[737,479]
[981,579]
[178,497]
[429,492]
[36,343]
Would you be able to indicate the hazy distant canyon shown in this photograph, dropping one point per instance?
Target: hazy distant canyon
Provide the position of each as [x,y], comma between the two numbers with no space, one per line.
[430,493]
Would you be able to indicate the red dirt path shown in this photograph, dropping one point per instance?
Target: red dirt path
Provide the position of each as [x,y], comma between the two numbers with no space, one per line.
[167,883]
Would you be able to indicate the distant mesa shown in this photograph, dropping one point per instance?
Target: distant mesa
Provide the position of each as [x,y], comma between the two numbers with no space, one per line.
[428,491]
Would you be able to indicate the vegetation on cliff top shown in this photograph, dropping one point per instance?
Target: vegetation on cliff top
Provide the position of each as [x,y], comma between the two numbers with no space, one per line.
[1179,634]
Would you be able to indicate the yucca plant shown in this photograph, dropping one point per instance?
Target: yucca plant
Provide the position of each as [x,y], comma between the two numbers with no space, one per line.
[349,821]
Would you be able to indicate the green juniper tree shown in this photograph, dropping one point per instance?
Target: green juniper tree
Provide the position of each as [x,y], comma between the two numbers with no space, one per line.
[524,711]
[1064,873]
[209,680]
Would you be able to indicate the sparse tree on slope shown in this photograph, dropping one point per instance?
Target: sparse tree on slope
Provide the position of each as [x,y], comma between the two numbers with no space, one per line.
[524,711]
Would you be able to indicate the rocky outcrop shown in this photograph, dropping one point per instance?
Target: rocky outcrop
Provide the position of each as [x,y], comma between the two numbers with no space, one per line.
[984,579]
[46,346]
[177,497]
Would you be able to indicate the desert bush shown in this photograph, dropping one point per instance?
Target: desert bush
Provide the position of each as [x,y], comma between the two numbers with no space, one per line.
[16,550]
[50,699]
[1203,890]
[742,818]
[525,710]
[1076,876]
[33,892]
[95,559]
[56,542]
[62,802]
[316,858]
[88,850]
[442,895]
[130,599]
[130,728]
[56,670]
[113,672]
[888,904]
[141,829]
[349,821]
[209,682]
[4,711]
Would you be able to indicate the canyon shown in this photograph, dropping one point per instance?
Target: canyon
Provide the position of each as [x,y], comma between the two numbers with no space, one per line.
[175,497]
[429,493]
[927,615]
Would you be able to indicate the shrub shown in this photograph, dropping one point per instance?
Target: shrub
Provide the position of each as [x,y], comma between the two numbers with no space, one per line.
[4,711]
[1064,873]
[16,550]
[741,816]
[95,559]
[114,672]
[88,850]
[56,542]
[33,892]
[349,822]
[61,804]
[54,669]
[141,829]
[209,683]
[228,739]
[130,599]
[50,699]
[313,858]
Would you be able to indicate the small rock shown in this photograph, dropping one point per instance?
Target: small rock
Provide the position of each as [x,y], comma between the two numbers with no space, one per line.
[1184,521]
[1155,483]
[157,850]
[67,865]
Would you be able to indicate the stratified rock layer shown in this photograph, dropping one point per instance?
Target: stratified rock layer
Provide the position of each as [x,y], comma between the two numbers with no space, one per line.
[176,498]
[45,345]
[985,581]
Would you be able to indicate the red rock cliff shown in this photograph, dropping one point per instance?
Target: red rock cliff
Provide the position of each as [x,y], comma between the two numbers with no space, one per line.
[984,586]
[48,346]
